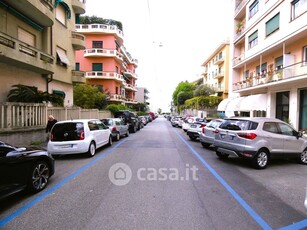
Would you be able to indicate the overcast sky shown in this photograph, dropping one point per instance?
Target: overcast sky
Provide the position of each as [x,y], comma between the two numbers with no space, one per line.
[170,38]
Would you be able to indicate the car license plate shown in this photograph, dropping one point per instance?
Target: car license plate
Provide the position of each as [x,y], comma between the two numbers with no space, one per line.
[193,126]
[67,146]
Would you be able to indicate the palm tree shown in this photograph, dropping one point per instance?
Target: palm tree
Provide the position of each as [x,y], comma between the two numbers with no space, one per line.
[30,94]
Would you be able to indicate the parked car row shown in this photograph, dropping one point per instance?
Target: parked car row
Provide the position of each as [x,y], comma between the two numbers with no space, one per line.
[257,139]
[30,169]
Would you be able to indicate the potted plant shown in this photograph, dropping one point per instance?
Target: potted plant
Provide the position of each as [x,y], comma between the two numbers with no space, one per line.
[239,27]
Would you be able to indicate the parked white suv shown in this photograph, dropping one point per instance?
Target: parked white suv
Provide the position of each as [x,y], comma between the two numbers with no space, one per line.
[78,136]
[259,139]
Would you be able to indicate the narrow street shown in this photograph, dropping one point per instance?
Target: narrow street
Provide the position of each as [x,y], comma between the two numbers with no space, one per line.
[166,182]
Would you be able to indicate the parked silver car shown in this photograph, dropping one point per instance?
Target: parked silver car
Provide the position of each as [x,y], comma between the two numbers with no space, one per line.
[206,137]
[259,139]
[117,127]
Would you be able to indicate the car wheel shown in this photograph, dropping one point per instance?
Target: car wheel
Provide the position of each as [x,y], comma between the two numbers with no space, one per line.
[91,149]
[192,138]
[221,155]
[303,157]
[261,160]
[205,145]
[117,137]
[39,177]
[127,133]
[110,141]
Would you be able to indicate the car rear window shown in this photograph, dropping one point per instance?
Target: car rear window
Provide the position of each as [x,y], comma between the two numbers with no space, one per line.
[107,122]
[70,131]
[238,125]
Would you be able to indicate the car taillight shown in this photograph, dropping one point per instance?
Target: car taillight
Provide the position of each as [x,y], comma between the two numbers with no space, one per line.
[82,135]
[203,130]
[215,131]
[202,125]
[114,129]
[51,136]
[249,136]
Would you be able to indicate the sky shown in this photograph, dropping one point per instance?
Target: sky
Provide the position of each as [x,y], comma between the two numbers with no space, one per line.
[169,38]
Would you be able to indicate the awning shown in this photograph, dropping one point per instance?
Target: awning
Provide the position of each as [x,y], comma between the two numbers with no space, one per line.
[62,55]
[223,104]
[59,92]
[255,102]
[66,7]
[234,104]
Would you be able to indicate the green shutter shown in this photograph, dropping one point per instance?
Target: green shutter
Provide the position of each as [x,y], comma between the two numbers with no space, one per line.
[272,25]
[253,36]
[97,66]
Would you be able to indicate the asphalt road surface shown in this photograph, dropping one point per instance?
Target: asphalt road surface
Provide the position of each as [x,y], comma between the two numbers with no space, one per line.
[158,179]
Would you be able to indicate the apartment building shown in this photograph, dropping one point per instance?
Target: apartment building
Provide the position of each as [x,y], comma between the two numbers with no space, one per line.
[37,45]
[269,66]
[216,69]
[106,62]
[141,95]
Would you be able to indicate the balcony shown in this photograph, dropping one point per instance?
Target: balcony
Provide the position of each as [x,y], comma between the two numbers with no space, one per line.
[116,98]
[130,101]
[78,41]
[16,53]
[130,87]
[104,75]
[219,74]
[97,52]
[129,73]
[240,8]
[219,89]
[99,28]
[78,6]
[78,76]
[239,59]
[285,75]
[219,60]
[38,11]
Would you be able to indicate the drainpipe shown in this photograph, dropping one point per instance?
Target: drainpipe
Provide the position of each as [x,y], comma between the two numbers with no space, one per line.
[49,78]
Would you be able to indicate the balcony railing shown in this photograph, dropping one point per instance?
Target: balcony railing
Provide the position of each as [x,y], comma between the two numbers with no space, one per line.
[105,75]
[103,53]
[116,97]
[238,60]
[29,57]
[239,6]
[131,74]
[78,6]
[78,76]
[219,60]
[278,76]
[100,28]
[219,74]
[78,40]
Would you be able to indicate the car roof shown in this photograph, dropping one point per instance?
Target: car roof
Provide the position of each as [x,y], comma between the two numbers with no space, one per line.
[78,120]
[256,119]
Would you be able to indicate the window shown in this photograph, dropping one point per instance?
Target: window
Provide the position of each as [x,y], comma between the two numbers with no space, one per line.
[279,63]
[116,69]
[97,44]
[246,74]
[77,66]
[253,39]
[26,37]
[272,25]
[97,67]
[286,130]
[60,14]
[282,106]
[253,8]
[304,55]
[298,7]
[62,58]
[263,69]
[270,127]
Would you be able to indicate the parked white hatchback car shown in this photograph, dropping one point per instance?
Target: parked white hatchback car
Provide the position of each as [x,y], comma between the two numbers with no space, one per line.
[78,136]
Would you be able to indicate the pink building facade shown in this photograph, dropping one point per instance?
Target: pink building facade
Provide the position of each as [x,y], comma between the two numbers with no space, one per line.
[106,62]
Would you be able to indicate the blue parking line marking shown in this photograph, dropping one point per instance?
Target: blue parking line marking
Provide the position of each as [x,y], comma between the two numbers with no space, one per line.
[296,226]
[241,201]
[9,218]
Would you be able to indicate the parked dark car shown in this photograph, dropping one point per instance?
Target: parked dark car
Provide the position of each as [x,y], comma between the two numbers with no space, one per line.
[129,118]
[23,169]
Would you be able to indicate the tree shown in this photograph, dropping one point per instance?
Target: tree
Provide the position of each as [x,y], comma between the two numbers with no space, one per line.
[203,90]
[114,108]
[182,87]
[89,97]
[94,19]
[30,94]
[140,107]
